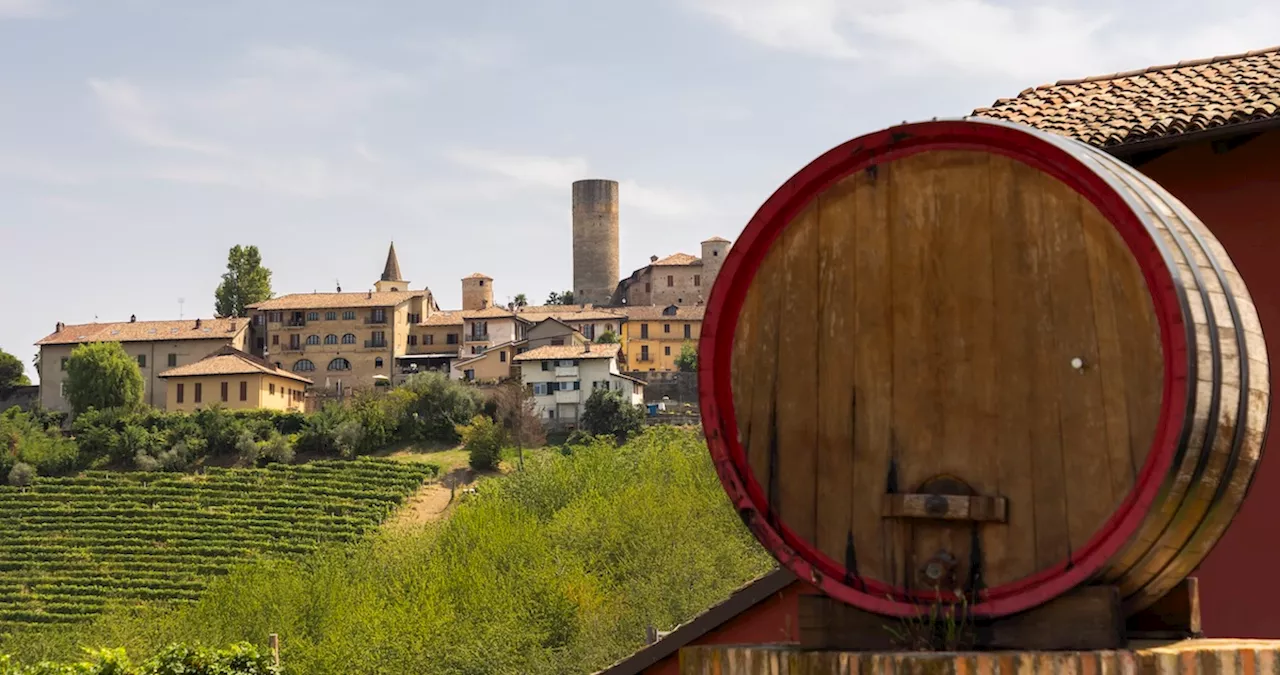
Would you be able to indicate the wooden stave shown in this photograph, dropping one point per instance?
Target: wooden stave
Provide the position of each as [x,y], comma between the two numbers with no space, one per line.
[1199,522]
[729,475]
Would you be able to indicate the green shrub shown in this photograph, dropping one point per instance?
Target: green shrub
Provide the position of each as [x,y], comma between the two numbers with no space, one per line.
[22,474]
[483,440]
[102,375]
[606,413]
[25,438]
[238,659]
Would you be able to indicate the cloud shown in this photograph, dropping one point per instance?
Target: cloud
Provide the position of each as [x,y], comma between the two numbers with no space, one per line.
[128,110]
[661,201]
[810,27]
[29,9]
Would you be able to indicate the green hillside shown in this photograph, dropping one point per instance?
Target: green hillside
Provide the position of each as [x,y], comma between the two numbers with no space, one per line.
[68,546]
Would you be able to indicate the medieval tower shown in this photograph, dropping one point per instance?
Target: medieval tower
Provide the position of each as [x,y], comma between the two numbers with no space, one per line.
[477,292]
[595,240]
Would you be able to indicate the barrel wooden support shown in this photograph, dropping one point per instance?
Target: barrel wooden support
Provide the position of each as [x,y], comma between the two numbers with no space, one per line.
[1192,657]
[971,360]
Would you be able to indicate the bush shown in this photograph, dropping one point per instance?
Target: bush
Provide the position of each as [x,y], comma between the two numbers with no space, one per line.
[102,375]
[605,413]
[483,440]
[238,659]
[438,408]
[25,438]
[180,457]
[22,474]
[277,448]
[348,438]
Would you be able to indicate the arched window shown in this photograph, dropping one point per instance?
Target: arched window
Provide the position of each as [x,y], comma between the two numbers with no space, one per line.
[313,316]
[313,339]
[339,364]
[304,366]
[349,339]
[331,339]
[330,316]
[377,363]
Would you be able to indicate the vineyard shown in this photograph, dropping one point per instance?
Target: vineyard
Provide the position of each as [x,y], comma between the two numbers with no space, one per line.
[68,546]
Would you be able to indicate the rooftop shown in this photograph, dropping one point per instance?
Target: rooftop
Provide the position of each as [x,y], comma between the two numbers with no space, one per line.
[1152,103]
[658,312]
[447,317]
[585,312]
[231,361]
[589,351]
[679,259]
[391,271]
[337,300]
[147,331]
[490,312]
[477,275]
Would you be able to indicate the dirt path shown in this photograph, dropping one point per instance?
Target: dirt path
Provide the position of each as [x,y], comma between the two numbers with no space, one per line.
[432,501]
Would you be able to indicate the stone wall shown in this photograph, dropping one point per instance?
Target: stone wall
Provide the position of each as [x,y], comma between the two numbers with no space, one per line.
[681,388]
[26,398]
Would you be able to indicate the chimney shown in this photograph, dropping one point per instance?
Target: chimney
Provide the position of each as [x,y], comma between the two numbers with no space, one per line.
[57,327]
[653,258]
[233,325]
[133,318]
[484,304]
[370,295]
[197,324]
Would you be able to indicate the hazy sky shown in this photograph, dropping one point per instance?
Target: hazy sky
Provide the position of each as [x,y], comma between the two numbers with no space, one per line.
[140,139]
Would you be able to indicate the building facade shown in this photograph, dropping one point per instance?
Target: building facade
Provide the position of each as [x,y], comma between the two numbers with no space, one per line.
[495,364]
[652,337]
[233,379]
[678,279]
[587,319]
[155,346]
[563,377]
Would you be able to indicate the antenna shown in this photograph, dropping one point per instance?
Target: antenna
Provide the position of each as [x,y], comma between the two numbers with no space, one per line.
[180,302]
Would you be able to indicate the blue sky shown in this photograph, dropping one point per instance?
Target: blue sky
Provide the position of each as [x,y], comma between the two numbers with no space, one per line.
[140,139]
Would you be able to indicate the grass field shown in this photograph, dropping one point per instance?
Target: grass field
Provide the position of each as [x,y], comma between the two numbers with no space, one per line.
[70,546]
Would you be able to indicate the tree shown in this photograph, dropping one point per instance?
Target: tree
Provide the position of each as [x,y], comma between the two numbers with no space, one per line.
[12,373]
[516,411]
[605,413]
[483,440]
[245,282]
[565,298]
[687,361]
[101,375]
[607,338]
[22,474]
[521,300]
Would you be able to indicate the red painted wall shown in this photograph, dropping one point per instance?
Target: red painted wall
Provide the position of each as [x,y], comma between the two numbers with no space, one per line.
[769,622]
[1237,194]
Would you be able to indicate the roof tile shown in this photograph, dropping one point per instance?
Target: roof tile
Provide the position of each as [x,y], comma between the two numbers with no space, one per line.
[231,361]
[337,300]
[147,331]
[587,351]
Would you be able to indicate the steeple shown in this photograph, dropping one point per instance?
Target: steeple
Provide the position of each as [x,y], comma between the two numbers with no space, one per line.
[391,279]
[392,271]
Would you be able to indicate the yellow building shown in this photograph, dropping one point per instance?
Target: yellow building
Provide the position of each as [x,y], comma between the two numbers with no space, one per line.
[492,365]
[155,345]
[653,336]
[232,379]
[342,341]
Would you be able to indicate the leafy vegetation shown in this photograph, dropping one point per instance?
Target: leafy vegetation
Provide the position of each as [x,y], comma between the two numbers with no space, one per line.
[36,441]
[12,373]
[483,441]
[244,283]
[68,546]
[238,659]
[607,338]
[101,375]
[565,298]
[556,569]
[605,413]
[687,361]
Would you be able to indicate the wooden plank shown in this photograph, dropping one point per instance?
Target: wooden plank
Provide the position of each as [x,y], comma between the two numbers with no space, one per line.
[761,370]
[825,623]
[946,507]
[873,343]
[742,372]
[1176,616]
[1087,618]
[837,296]
[1010,550]
[797,379]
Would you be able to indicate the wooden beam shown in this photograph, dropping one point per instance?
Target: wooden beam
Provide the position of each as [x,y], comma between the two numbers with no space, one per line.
[1176,616]
[946,507]
[1225,145]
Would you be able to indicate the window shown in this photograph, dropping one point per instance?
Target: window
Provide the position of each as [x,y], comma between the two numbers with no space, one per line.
[540,389]
[413,340]
[331,339]
[339,364]
[244,388]
[348,316]
[64,362]
[469,374]
[666,351]
[644,352]
[546,365]
[589,330]
[482,283]
[688,331]
[275,340]
[669,310]
[349,339]
[173,360]
[697,280]
[271,388]
[378,316]
[557,342]
[377,363]
[671,280]
[313,339]
[313,316]
[180,392]
[644,330]
[330,316]
[304,366]
[646,287]
[451,338]
[608,327]
[502,357]
[415,318]
[199,392]
[428,339]
[142,360]
[224,392]
[666,328]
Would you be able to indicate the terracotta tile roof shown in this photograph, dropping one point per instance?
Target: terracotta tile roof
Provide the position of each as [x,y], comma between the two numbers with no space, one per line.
[568,313]
[717,239]
[447,317]
[678,259]
[1155,102]
[337,300]
[492,350]
[491,312]
[391,272]
[592,351]
[231,361]
[147,331]
[655,313]
[477,275]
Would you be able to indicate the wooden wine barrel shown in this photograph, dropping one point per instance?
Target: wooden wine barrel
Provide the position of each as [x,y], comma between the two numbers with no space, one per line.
[973,361]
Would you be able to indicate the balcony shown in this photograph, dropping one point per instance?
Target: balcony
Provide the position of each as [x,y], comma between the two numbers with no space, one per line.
[294,323]
[566,371]
[477,337]
[292,349]
[433,349]
[375,344]
[644,359]
[375,321]
[571,396]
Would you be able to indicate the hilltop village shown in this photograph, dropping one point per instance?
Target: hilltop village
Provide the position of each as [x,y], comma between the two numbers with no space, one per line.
[298,350]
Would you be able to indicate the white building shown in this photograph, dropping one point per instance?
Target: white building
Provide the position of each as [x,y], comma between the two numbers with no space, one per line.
[563,376]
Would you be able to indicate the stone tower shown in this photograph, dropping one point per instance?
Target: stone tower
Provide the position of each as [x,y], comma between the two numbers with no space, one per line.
[595,240]
[391,277]
[477,291]
[713,252]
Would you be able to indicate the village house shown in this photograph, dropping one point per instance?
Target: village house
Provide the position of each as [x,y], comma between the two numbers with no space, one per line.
[679,279]
[589,320]
[562,377]
[154,345]
[652,337]
[235,380]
